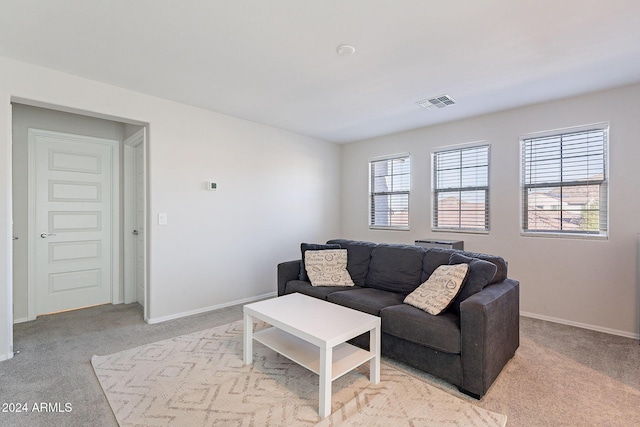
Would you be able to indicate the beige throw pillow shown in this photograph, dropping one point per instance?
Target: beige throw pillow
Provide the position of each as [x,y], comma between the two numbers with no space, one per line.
[327,267]
[435,295]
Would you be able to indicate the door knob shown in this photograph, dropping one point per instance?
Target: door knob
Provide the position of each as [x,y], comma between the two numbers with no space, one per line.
[45,235]
[135,232]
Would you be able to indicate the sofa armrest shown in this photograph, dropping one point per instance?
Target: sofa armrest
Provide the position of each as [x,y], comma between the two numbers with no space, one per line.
[490,331]
[288,270]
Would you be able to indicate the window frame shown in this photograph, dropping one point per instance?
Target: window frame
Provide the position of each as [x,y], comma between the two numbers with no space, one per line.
[436,191]
[604,191]
[373,194]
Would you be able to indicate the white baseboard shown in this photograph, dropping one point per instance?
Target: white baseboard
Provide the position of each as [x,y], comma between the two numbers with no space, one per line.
[581,325]
[20,320]
[153,320]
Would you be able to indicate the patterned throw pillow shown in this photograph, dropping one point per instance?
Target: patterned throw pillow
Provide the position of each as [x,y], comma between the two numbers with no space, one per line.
[304,247]
[327,267]
[435,295]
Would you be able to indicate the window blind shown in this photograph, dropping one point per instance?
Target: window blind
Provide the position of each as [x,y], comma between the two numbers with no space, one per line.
[564,180]
[461,189]
[390,181]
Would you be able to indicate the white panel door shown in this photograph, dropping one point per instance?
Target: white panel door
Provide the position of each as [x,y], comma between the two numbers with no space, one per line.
[73,201]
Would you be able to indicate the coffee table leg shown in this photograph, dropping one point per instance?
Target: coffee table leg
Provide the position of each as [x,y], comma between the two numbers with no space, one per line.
[247,345]
[374,347]
[326,365]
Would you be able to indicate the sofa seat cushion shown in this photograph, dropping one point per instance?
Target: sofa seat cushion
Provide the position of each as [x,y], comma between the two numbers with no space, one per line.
[440,332]
[358,258]
[395,268]
[321,292]
[367,300]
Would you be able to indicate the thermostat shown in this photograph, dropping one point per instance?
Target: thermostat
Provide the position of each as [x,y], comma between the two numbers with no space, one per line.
[213,186]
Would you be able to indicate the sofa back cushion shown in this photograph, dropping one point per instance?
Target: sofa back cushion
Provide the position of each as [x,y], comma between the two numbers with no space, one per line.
[480,274]
[395,268]
[358,258]
[498,261]
[436,257]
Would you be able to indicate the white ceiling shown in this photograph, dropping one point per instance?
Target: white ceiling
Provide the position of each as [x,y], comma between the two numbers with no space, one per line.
[275,61]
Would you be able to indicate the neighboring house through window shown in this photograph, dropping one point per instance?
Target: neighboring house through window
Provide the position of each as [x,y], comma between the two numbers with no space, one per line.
[390,181]
[565,183]
[460,189]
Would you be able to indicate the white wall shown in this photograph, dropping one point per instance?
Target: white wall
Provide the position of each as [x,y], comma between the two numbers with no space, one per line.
[587,283]
[275,189]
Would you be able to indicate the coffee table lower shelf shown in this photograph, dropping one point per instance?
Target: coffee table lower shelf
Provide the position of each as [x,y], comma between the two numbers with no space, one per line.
[345,357]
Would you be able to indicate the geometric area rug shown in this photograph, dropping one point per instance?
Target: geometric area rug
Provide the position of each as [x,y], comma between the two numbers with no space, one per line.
[200,379]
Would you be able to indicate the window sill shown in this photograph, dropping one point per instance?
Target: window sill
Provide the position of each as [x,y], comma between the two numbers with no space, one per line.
[381,227]
[574,236]
[454,230]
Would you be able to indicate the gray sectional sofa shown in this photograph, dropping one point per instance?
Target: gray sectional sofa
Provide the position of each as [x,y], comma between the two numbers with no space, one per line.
[467,345]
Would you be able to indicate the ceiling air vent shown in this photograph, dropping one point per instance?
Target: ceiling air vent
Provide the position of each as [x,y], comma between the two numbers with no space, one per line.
[437,102]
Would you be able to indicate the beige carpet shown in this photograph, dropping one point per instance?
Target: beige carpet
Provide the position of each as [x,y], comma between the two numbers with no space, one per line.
[540,387]
[200,380]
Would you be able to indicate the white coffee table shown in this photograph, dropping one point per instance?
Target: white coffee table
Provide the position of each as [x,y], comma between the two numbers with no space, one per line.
[313,333]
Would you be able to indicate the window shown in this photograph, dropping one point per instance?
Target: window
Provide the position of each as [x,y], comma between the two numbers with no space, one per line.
[564,182]
[461,189]
[390,180]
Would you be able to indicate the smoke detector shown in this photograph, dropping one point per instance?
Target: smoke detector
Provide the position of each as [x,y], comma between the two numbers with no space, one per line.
[437,102]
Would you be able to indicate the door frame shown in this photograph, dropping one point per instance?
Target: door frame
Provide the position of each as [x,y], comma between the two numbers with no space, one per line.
[116,295]
[130,206]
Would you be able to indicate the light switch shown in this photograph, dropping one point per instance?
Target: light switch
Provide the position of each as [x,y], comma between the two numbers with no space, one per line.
[162,218]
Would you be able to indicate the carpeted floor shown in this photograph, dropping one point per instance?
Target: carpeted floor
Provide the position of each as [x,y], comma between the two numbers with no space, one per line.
[560,376]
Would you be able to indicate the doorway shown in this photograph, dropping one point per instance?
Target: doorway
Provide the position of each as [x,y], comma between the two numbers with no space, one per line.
[82,220]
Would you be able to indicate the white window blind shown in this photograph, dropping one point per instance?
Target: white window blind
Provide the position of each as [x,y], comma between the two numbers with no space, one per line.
[461,189]
[390,180]
[564,183]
